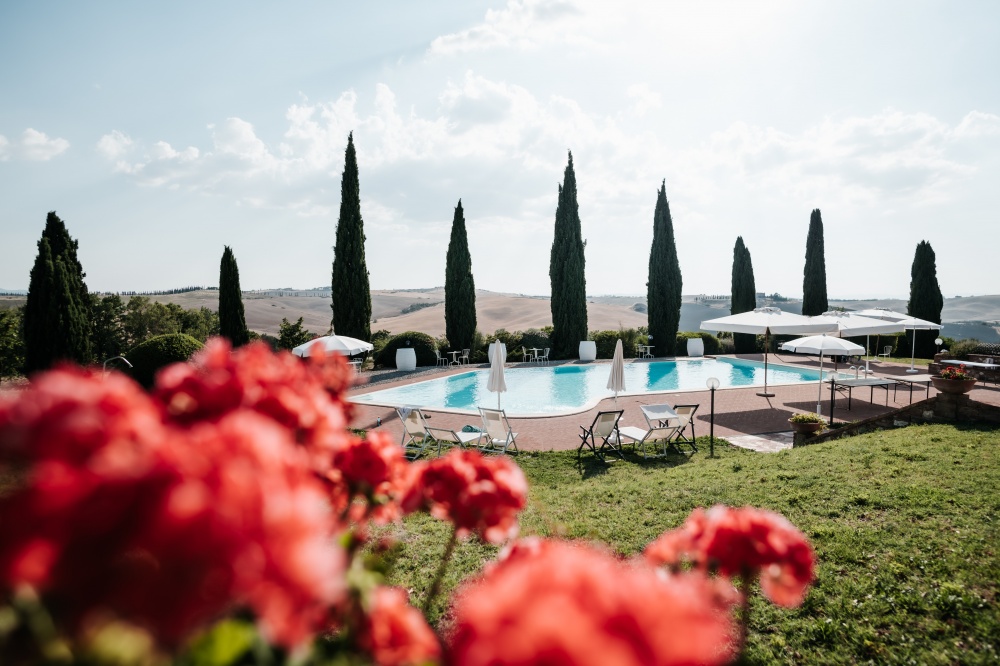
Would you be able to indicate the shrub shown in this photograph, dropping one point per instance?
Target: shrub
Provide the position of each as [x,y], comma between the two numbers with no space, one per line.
[422,344]
[712,345]
[807,417]
[148,357]
[962,348]
[379,338]
[538,339]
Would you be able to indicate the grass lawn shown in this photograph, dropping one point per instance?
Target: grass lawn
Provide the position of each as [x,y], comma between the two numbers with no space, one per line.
[904,524]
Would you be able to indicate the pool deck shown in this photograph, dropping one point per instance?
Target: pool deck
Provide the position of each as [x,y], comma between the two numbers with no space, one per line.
[741,415]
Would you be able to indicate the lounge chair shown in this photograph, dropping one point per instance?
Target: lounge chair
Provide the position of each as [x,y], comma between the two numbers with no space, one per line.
[644,439]
[416,436]
[605,429]
[452,437]
[686,415]
[441,360]
[498,433]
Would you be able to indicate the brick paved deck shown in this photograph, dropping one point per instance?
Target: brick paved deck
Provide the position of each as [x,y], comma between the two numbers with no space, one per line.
[738,411]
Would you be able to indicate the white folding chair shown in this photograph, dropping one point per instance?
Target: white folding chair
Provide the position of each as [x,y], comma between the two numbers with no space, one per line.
[497,431]
[605,429]
[416,437]
[453,437]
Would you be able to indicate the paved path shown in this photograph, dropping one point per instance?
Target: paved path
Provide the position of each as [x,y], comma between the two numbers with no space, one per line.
[738,411]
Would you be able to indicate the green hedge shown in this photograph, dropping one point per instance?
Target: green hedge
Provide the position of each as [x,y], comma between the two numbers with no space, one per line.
[422,344]
[515,341]
[712,346]
[148,357]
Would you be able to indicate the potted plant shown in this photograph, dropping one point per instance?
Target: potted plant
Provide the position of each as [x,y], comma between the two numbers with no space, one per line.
[954,380]
[807,422]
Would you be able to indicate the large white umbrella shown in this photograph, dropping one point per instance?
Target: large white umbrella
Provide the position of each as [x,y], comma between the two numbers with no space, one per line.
[496,383]
[768,321]
[914,324]
[340,344]
[822,344]
[882,313]
[850,324]
[616,382]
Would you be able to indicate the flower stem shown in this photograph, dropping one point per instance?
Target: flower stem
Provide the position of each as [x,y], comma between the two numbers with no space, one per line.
[436,585]
[745,580]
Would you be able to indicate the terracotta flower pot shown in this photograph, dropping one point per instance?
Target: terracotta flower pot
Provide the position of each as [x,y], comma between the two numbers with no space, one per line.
[806,427]
[953,385]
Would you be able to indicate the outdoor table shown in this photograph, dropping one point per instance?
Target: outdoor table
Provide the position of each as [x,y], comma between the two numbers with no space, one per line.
[971,364]
[534,353]
[915,379]
[454,357]
[658,414]
[872,382]
[646,351]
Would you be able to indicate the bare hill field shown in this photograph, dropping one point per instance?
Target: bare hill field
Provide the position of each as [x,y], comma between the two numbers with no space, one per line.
[423,310]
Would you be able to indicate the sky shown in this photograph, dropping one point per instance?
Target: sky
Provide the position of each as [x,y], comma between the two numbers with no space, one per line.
[163,132]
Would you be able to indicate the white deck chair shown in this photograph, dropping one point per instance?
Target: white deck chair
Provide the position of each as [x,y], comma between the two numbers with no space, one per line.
[416,436]
[603,429]
[686,415]
[498,433]
[644,439]
[453,437]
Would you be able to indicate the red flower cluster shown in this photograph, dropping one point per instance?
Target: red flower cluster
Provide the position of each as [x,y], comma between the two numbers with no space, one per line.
[555,602]
[395,633]
[476,493]
[172,510]
[374,469]
[739,542]
[959,373]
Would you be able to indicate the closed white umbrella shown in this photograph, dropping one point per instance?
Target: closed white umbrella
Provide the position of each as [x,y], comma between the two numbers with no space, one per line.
[822,344]
[616,382]
[340,344]
[769,321]
[496,383]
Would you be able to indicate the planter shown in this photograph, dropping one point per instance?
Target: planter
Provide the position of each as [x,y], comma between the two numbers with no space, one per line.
[696,347]
[588,350]
[406,358]
[807,428]
[955,386]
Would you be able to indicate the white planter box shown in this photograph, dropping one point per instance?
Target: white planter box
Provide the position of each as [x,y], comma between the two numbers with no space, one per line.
[696,347]
[406,358]
[588,350]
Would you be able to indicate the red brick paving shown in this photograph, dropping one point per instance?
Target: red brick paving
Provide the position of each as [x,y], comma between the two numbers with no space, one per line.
[738,411]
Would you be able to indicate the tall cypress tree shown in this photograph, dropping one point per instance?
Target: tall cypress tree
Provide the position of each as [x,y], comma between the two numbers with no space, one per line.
[663,291]
[744,294]
[352,299]
[459,287]
[57,311]
[814,300]
[232,320]
[566,272]
[926,301]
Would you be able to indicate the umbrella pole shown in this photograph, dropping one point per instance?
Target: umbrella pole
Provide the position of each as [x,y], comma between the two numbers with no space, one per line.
[819,394]
[765,394]
[868,339]
[913,356]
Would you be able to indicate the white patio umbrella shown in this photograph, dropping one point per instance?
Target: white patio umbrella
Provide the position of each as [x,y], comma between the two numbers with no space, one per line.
[496,383]
[768,321]
[616,382]
[850,324]
[822,344]
[340,344]
[914,324]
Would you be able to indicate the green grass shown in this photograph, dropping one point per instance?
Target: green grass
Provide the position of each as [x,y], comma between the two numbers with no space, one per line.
[904,525]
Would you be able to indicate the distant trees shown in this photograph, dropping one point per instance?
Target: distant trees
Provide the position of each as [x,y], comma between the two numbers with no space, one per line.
[108,313]
[926,301]
[566,272]
[292,335]
[352,301]
[232,319]
[814,301]
[57,311]
[11,342]
[663,291]
[744,294]
[459,287]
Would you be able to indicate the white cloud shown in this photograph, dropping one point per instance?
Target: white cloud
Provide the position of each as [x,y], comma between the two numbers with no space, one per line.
[644,99]
[114,146]
[37,146]
[4,148]
[522,24]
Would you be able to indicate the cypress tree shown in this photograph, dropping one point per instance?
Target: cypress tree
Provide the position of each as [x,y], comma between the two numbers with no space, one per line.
[57,311]
[663,291]
[352,300]
[814,300]
[459,287]
[926,301]
[566,272]
[232,320]
[744,294]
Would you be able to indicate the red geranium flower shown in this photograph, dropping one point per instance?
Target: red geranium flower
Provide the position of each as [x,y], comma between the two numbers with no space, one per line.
[555,602]
[395,633]
[476,493]
[373,468]
[739,542]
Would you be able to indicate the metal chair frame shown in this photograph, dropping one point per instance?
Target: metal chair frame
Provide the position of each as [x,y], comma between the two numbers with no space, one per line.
[605,428]
[497,431]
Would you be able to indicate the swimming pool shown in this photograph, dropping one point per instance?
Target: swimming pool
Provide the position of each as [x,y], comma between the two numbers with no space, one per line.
[564,389]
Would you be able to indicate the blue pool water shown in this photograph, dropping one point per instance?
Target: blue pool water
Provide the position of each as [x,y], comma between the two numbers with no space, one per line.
[570,388]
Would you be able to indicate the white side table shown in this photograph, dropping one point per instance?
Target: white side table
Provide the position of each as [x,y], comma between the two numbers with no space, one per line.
[588,350]
[406,358]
